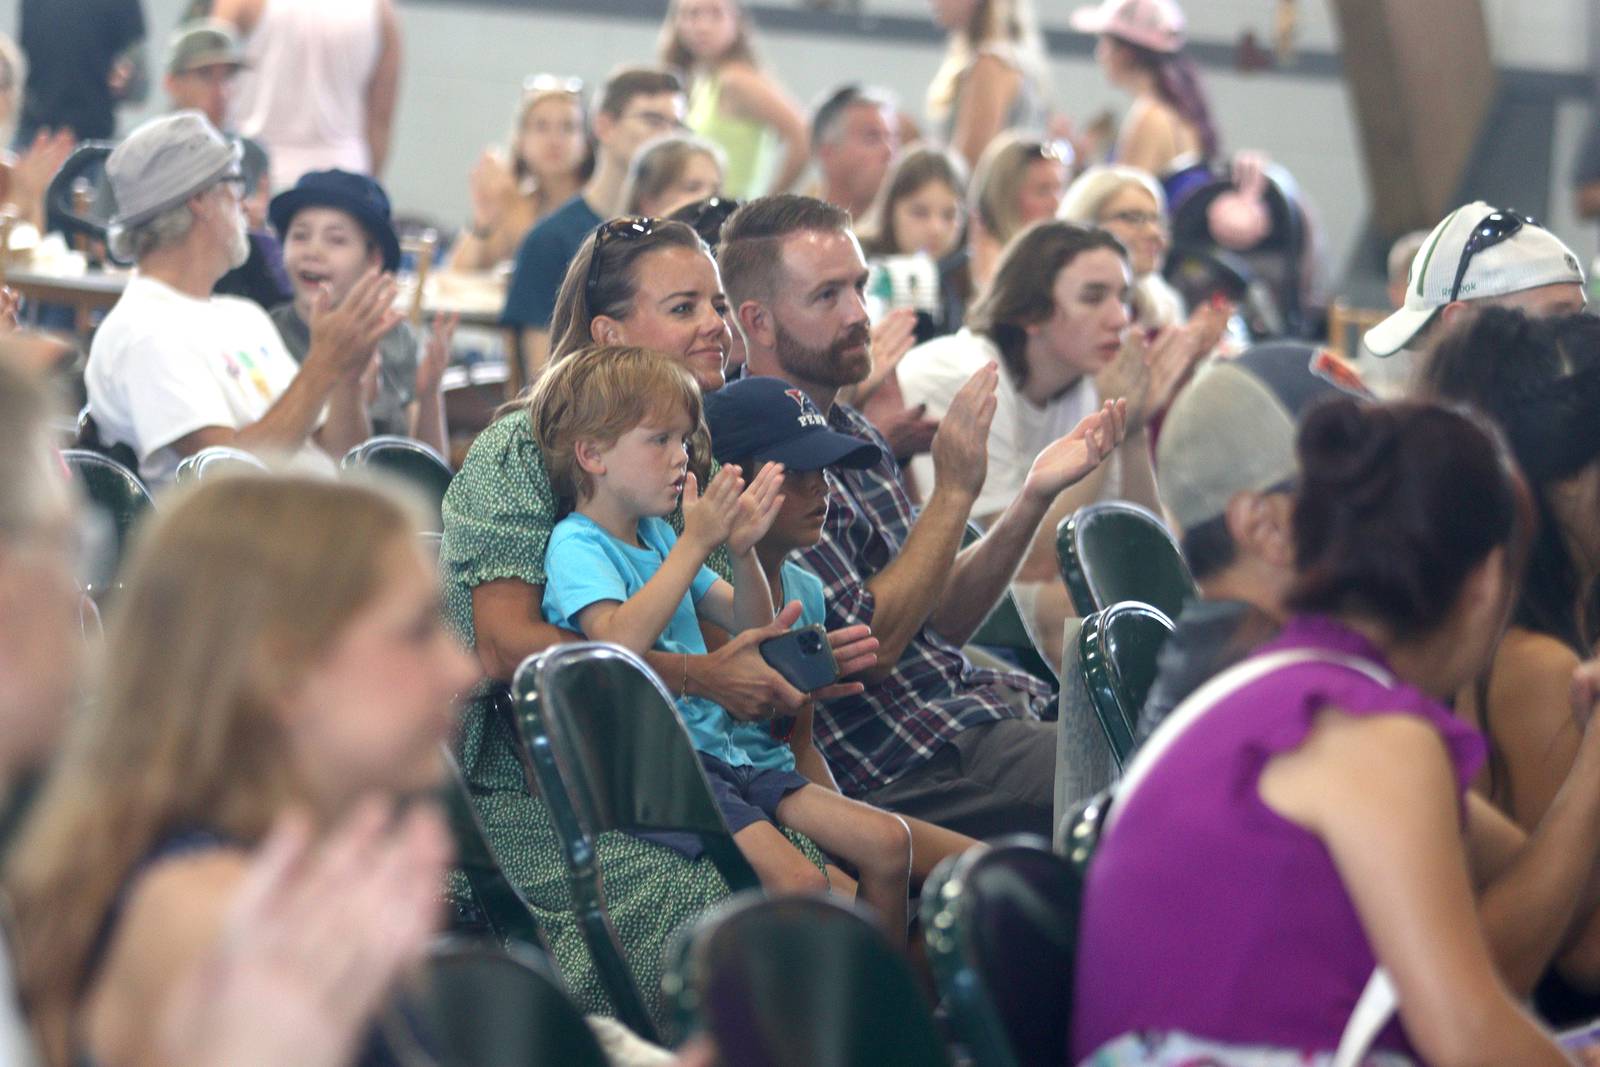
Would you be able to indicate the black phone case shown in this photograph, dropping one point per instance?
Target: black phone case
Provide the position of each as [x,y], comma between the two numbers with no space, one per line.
[804,670]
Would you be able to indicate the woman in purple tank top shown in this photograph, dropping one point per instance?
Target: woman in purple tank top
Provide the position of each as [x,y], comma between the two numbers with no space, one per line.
[1311,824]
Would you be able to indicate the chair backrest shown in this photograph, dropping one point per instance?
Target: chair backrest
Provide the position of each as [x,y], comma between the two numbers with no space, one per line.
[1007,632]
[802,981]
[409,460]
[484,1007]
[1001,924]
[1114,551]
[1117,651]
[604,747]
[217,460]
[78,200]
[117,493]
[88,437]
[502,906]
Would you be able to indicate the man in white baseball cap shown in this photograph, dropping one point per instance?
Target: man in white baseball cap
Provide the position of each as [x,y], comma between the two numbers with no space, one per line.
[174,369]
[1480,254]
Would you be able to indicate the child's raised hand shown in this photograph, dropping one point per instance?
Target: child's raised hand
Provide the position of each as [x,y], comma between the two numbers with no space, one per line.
[708,517]
[757,507]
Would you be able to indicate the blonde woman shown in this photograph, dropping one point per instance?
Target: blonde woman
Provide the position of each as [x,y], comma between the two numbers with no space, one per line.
[1019,181]
[1128,204]
[550,159]
[993,76]
[278,649]
[669,172]
[733,102]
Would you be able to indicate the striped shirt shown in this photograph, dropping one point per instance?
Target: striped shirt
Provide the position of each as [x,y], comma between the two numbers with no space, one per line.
[934,692]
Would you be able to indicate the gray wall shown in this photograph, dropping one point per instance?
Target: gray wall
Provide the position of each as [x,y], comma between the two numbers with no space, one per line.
[464,63]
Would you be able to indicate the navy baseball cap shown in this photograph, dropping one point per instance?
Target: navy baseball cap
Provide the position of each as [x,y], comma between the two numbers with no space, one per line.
[355,194]
[769,420]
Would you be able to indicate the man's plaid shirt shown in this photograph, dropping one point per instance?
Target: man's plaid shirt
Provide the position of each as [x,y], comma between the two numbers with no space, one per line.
[934,691]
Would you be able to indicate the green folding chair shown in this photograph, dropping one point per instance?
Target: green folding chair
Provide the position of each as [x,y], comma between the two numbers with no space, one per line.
[1006,631]
[1115,551]
[603,745]
[801,982]
[1117,650]
[499,905]
[1001,927]
[115,492]
[487,1007]
[409,460]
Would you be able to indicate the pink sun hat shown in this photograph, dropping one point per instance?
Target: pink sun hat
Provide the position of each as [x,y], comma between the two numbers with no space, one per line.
[1154,24]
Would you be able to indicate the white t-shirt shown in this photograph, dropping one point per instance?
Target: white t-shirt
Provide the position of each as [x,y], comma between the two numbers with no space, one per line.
[164,365]
[933,372]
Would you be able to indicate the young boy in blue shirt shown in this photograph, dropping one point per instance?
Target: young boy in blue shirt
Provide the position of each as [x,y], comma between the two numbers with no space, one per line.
[614,426]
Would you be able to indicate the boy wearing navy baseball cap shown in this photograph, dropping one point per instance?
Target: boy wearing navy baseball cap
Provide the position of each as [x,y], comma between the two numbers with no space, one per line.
[760,420]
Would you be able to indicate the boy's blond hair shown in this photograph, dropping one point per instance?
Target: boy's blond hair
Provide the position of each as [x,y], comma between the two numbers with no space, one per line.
[599,394]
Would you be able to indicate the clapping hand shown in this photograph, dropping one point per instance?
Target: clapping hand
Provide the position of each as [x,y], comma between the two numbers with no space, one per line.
[436,355]
[312,943]
[756,507]
[961,445]
[1148,374]
[708,517]
[1073,455]
[348,333]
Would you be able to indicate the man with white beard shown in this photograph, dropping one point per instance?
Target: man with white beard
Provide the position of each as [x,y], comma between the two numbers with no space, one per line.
[174,369]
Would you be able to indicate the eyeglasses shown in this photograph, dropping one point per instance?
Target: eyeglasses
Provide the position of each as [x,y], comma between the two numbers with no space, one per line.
[1136,218]
[627,228]
[1495,228]
[551,83]
[708,216]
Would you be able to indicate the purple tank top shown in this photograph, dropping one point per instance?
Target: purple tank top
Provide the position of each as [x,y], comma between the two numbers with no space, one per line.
[1208,913]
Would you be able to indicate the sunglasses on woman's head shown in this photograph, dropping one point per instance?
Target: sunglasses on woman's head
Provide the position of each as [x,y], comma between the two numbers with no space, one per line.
[627,228]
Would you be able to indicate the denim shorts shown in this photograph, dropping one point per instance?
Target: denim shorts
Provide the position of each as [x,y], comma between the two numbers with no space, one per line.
[746,795]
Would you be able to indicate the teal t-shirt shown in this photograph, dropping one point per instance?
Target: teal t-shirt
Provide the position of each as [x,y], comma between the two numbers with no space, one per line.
[755,738]
[585,565]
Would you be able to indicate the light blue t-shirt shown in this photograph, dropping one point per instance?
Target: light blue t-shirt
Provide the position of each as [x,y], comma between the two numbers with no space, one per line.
[586,565]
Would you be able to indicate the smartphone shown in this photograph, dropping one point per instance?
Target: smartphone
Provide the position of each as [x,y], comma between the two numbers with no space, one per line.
[803,657]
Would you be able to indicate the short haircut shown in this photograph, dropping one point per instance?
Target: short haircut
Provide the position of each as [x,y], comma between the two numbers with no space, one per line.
[599,394]
[997,182]
[660,163]
[1089,191]
[1208,547]
[1022,291]
[829,112]
[752,241]
[628,82]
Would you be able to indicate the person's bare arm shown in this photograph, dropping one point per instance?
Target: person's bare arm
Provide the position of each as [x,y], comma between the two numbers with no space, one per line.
[985,568]
[986,97]
[753,95]
[384,88]
[426,417]
[509,627]
[1380,793]
[285,427]
[1531,720]
[906,591]
[534,348]
[1586,199]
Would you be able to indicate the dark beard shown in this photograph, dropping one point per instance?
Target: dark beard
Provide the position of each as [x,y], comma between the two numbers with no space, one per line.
[830,366]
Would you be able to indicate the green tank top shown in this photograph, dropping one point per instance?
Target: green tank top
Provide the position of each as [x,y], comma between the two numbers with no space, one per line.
[751,147]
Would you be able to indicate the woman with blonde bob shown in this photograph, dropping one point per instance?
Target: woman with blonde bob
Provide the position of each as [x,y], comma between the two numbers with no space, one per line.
[1128,203]
[1018,181]
[278,648]
[669,172]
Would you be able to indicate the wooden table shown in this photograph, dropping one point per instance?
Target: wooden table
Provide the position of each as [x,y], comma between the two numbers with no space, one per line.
[476,296]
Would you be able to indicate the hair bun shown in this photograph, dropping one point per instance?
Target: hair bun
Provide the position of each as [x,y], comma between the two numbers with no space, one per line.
[1347,447]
